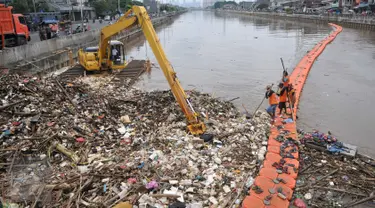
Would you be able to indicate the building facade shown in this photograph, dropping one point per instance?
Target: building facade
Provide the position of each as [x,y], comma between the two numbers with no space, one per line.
[246,5]
[209,3]
[152,6]
[72,8]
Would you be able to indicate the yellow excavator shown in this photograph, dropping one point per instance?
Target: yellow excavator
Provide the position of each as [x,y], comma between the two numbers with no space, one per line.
[110,55]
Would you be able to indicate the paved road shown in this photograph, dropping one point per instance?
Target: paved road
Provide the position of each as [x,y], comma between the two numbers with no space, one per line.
[93,26]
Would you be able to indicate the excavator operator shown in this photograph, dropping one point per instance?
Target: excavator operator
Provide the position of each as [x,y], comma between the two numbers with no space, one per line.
[114,53]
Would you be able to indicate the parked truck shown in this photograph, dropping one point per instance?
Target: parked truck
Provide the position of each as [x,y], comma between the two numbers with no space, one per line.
[13,28]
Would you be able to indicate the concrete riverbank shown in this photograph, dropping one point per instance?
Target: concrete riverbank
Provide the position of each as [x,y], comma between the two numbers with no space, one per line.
[358,22]
[53,54]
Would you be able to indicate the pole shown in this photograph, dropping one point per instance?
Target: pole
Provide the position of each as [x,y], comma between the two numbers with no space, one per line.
[287,91]
[282,62]
[73,15]
[260,104]
[34,6]
[118,6]
[2,37]
[83,29]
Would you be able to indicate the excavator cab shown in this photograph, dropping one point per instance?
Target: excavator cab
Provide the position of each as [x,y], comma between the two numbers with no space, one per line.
[116,55]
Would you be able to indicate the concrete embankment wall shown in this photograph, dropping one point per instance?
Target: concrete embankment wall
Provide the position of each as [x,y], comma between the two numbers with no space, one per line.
[53,54]
[352,21]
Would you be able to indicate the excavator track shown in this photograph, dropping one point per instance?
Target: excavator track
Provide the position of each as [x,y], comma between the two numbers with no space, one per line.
[130,74]
[127,76]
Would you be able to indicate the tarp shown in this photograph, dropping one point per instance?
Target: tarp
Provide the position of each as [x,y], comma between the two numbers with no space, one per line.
[362,5]
[50,21]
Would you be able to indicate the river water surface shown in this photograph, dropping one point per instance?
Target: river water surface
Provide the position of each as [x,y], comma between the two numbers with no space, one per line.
[233,55]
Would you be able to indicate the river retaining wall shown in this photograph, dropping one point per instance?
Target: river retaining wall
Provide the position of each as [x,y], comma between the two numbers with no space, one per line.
[351,21]
[54,53]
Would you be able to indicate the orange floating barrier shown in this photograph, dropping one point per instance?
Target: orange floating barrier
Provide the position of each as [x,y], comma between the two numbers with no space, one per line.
[273,142]
[285,190]
[277,202]
[292,162]
[262,195]
[295,154]
[265,184]
[268,164]
[290,173]
[269,173]
[289,181]
[252,202]
[269,177]
[273,156]
[274,149]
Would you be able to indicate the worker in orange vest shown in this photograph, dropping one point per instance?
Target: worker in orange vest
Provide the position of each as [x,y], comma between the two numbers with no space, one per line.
[283,94]
[285,79]
[272,100]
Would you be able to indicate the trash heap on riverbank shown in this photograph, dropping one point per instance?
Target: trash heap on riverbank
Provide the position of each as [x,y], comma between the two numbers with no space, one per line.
[89,144]
[329,178]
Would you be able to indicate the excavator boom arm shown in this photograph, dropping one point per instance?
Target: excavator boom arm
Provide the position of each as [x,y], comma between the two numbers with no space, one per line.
[143,20]
[145,23]
[111,30]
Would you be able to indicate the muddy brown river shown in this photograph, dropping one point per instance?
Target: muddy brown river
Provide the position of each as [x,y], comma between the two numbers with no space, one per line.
[233,55]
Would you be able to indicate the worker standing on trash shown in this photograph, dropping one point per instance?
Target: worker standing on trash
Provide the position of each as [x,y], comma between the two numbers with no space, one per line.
[282,98]
[272,100]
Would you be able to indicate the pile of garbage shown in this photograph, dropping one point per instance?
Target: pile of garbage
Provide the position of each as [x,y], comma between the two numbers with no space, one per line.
[328,178]
[87,143]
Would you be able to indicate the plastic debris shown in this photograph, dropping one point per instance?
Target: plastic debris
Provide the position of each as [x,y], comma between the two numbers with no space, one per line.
[152,185]
[288,120]
[125,119]
[226,189]
[80,140]
[299,203]
[249,182]
[111,143]
[308,196]
[327,175]
[123,205]
[83,169]
[217,160]
[177,205]
[132,180]
[213,200]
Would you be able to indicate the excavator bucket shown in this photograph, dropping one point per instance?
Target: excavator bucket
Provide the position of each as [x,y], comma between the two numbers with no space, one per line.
[197,129]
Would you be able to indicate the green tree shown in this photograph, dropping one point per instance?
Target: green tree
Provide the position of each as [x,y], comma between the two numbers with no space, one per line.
[19,6]
[104,7]
[41,6]
[124,5]
[138,3]
[101,7]
[220,4]
[127,4]
[169,7]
